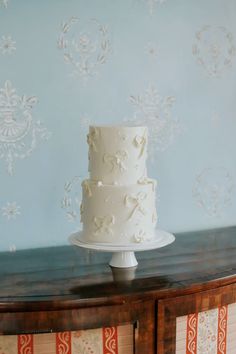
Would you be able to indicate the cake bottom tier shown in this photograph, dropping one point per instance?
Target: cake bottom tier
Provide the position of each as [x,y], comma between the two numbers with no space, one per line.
[118,214]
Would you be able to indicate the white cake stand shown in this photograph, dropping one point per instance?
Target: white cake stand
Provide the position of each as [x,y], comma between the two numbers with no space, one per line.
[123,255]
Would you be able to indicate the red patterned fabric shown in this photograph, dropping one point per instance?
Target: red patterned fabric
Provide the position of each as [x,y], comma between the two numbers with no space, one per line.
[222,330]
[109,340]
[63,343]
[25,344]
[110,343]
[192,324]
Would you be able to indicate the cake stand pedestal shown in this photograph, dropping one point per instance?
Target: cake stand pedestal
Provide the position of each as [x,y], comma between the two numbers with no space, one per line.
[123,255]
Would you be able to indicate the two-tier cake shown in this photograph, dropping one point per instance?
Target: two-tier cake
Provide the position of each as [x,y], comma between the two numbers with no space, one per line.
[118,203]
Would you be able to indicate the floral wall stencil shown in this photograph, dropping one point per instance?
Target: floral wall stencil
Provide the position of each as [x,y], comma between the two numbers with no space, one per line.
[214,49]
[71,201]
[152,5]
[155,111]
[11,210]
[212,190]
[4,3]
[85,45]
[65,65]
[7,45]
[19,133]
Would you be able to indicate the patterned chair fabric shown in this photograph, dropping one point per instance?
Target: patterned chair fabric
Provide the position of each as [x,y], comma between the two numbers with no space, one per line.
[209,332]
[109,340]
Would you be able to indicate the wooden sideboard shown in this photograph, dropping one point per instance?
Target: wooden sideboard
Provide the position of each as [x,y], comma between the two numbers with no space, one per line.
[173,296]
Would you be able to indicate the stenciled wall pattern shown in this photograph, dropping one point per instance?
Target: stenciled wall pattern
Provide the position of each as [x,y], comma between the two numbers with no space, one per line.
[170,65]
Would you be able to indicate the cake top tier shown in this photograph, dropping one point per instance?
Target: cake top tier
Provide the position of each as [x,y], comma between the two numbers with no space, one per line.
[117,154]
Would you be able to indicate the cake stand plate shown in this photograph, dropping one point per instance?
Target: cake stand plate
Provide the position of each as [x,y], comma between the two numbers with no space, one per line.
[123,255]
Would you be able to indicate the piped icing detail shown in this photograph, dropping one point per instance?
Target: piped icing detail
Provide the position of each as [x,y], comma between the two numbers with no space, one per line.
[116,161]
[87,189]
[140,237]
[92,138]
[140,142]
[145,180]
[81,212]
[103,224]
[136,203]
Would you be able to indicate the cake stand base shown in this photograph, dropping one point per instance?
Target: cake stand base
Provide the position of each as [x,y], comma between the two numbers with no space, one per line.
[123,260]
[123,255]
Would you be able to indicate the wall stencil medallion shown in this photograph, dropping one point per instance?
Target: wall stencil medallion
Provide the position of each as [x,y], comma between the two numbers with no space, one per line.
[86,45]
[212,190]
[214,49]
[152,4]
[7,45]
[155,111]
[19,133]
[4,3]
[11,210]
[71,201]
[151,50]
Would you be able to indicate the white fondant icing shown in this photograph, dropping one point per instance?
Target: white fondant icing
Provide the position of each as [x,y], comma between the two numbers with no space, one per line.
[108,200]
[118,202]
[113,155]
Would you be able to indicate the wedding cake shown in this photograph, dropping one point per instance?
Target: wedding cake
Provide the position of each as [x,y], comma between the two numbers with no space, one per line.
[118,200]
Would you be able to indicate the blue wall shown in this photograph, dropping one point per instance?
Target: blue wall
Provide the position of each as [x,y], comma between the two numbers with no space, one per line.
[64,64]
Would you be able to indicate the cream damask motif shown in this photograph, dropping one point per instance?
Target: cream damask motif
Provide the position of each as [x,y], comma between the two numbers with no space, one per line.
[212,190]
[71,200]
[154,111]
[207,330]
[141,237]
[11,210]
[87,342]
[19,133]
[7,45]
[85,45]
[214,49]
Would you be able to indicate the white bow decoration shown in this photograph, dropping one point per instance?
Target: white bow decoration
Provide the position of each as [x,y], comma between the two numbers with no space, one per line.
[116,160]
[140,142]
[103,224]
[136,203]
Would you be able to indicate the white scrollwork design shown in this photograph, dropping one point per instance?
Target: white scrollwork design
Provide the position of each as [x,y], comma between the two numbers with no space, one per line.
[136,201]
[116,161]
[7,45]
[19,133]
[103,224]
[214,49]
[154,111]
[71,200]
[85,45]
[212,190]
